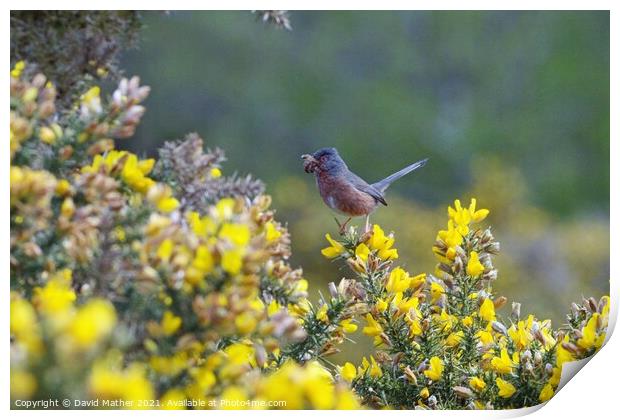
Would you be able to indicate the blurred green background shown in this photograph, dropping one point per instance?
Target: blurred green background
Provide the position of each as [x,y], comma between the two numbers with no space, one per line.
[510,107]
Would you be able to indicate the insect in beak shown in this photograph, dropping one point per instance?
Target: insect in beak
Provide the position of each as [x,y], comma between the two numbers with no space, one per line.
[310,163]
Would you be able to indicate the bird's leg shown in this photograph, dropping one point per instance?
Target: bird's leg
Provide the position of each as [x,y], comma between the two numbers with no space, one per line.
[343,226]
[367,223]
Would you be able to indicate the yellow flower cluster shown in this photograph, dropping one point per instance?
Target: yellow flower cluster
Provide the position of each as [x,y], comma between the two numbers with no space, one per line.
[133,172]
[32,104]
[442,334]
[308,386]
[31,194]
[121,294]
[51,325]
[124,388]
[377,244]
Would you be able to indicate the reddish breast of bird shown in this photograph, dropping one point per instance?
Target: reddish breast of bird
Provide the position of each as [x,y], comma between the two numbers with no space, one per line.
[343,197]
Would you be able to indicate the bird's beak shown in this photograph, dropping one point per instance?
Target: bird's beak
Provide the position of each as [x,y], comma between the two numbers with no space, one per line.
[309,163]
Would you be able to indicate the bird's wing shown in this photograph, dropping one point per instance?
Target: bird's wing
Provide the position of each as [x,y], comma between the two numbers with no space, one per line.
[363,186]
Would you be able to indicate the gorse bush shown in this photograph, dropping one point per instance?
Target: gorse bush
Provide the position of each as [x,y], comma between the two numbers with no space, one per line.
[76,49]
[144,284]
[439,341]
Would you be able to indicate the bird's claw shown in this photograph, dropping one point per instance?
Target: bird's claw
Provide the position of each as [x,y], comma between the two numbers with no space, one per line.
[342,226]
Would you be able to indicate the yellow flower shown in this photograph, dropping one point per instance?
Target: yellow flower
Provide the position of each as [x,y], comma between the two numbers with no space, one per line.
[239,353]
[405,304]
[467,321]
[23,384]
[215,172]
[506,389]
[477,383]
[56,296]
[321,315]
[605,311]
[63,187]
[273,308]
[381,305]
[164,251]
[169,365]
[415,328]
[502,364]
[170,323]
[375,370]
[373,328]
[461,216]
[563,355]
[388,253]
[22,315]
[245,323]
[416,281]
[225,208]
[487,310]
[362,252]
[67,208]
[437,291]
[333,251]
[310,386]
[348,326]
[91,94]
[31,94]
[120,233]
[454,338]
[232,261]
[435,370]
[133,172]
[158,194]
[383,244]
[167,204]
[146,166]
[236,233]
[589,334]
[445,320]
[451,254]
[477,215]
[546,393]
[107,382]
[554,380]
[17,70]
[347,400]
[520,335]
[348,372]
[451,237]
[204,378]
[371,367]
[201,226]
[424,393]
[474,267]
[92,323]
[378,239]
[47,135]
[398,281]
[271,233]
[485,337]
[203,260]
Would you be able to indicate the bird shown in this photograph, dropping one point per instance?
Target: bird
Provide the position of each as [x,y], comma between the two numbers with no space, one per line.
[345,192]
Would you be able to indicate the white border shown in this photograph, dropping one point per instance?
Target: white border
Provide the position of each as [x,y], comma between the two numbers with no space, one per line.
[591,394]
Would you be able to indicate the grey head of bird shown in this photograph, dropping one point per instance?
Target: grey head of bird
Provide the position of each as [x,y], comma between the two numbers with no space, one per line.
[323,160]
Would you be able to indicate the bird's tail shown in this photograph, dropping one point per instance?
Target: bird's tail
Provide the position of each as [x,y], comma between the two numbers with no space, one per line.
[385,183]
